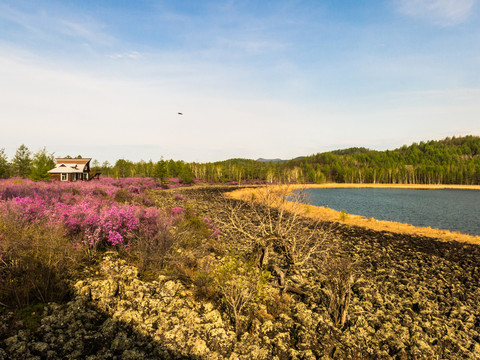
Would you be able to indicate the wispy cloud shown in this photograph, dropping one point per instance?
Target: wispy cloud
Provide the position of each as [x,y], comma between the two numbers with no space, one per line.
[47,24]
[252,46]
[19,18]
[440,12]
[126,55]
[87,30]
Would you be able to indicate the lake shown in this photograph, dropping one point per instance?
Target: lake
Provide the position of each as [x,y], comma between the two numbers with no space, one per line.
[448,209]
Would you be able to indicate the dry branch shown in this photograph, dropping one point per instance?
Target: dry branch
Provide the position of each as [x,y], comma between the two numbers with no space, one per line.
[273,217]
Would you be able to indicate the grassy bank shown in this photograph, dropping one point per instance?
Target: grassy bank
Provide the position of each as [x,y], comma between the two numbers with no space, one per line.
[327,214]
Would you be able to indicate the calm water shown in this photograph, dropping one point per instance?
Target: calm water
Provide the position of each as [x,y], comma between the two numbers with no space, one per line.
[451,209]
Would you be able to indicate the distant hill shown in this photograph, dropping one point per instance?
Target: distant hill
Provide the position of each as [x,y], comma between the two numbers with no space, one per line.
[350,151]
[275,161]
[454,160]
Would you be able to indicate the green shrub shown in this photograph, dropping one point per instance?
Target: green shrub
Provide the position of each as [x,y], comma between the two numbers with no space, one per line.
[31,315]
[181,250]
[343,215]
[239,283]
[194,225]
[204,287]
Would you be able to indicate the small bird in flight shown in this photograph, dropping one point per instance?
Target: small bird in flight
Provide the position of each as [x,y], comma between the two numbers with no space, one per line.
[180,113]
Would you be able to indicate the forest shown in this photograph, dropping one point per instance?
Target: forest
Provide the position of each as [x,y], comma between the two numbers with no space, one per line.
[452,160]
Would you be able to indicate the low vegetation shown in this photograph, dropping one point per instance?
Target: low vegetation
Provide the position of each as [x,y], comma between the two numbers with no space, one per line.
[48,228]
[239,282]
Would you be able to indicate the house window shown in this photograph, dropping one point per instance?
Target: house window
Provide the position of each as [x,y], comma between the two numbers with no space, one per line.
[64,177]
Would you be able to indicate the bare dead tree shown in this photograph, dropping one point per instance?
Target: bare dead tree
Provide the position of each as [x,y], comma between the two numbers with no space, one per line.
[272,223]
[272,218]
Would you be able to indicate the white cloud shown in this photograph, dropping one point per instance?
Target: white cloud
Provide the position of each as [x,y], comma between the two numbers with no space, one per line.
[53,25]
[252,46]
[440,12]
[88,30]
[126,55]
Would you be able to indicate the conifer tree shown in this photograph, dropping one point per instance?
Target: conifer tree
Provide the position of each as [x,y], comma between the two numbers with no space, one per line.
[21,161]
[4,166]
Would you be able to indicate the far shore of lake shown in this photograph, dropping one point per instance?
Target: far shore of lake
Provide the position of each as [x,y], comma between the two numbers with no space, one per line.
[386,186]
[327,214]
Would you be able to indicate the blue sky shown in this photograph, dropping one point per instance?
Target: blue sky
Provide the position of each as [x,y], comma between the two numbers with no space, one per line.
[270,79]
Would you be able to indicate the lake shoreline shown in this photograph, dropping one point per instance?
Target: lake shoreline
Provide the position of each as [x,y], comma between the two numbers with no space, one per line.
[326,214]
[386,186]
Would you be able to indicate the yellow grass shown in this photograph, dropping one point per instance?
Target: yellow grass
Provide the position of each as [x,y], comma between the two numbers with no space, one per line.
[323,213]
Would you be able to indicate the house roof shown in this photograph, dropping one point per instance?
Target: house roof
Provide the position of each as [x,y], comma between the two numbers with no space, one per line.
[65,169]
[73,161]
[70,166]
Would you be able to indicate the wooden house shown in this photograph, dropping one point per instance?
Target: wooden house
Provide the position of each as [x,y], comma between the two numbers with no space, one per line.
[71,170]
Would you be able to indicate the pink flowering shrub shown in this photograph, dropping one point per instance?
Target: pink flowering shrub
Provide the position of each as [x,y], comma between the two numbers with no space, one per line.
[46,228]
[108,212]
[107,188]
[97,224]
[214,231]
[25,209]
[176,210]
[180,197]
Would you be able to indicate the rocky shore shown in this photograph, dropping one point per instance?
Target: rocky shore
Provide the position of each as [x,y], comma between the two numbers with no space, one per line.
[413,298]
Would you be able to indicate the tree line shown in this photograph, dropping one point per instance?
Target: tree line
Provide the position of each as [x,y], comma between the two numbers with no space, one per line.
[35,166]
[26,164]
[453,160]
[448,161]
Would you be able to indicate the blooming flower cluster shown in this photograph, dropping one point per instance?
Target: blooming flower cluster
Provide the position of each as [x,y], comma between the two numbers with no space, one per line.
[104,212]
[215,232]
[180,197]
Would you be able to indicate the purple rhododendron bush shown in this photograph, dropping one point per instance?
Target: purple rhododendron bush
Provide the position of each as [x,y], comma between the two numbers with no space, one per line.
[97,214]
[53,228]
